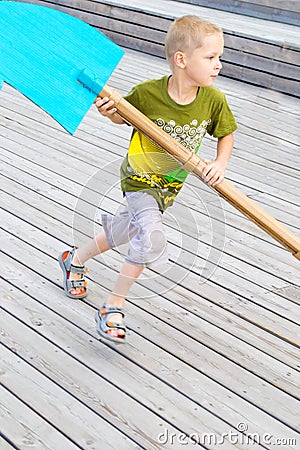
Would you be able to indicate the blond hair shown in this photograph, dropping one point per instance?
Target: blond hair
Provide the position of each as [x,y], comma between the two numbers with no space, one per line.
[186,34]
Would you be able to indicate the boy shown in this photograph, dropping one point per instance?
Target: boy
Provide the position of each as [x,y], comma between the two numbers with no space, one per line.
[185,105]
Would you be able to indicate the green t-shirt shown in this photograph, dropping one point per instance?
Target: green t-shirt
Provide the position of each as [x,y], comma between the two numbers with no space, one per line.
[146,166]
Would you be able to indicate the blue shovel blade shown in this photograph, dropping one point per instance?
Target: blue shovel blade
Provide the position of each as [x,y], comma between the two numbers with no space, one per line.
[54,59]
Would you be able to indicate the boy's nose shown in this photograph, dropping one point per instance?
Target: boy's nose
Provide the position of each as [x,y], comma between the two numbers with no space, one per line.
[219,65]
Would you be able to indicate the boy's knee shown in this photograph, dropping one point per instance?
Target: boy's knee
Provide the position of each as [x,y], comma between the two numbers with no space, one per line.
[152,229]
[150,241]
[157,241]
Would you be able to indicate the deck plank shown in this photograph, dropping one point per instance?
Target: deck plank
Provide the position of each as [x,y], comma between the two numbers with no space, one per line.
[70,313]
[22,425]
[118,371]
[5,443]
[287,11]
[87,390]
[81,425]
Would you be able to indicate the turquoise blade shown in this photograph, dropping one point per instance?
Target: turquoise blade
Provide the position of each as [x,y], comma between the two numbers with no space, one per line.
[54,59]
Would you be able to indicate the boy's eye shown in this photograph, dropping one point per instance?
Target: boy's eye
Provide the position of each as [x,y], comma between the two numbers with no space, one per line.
[215,57]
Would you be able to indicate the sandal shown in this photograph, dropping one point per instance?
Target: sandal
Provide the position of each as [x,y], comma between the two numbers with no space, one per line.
[67,267]
[104,325]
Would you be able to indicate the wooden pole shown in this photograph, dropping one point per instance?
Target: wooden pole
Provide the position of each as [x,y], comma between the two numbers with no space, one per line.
[192,163]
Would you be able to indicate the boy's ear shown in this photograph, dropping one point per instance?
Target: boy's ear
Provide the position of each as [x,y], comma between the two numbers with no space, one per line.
[179,59]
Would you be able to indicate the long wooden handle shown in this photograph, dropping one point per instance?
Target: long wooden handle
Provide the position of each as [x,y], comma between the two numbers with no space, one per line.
[192,163]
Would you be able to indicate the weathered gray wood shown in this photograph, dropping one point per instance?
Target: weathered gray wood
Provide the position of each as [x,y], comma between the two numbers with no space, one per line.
[83,321]
[287,11]
[118,372]
[5,445]
[264,65]
[20,424]
[94,394]
[268,80]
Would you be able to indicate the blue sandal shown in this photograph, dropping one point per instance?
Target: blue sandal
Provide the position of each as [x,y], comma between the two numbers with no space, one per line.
[67,267]
[104,325]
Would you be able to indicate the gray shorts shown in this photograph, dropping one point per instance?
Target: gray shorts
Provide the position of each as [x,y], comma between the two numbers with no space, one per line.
[140,225]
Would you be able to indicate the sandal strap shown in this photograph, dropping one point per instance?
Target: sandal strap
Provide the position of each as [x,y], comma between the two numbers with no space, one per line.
[72,284]
[106,310]
[104,325]
[116,325]
[107,324]
[80,270]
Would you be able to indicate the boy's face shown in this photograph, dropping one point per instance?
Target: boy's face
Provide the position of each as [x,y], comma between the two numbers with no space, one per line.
[203,65]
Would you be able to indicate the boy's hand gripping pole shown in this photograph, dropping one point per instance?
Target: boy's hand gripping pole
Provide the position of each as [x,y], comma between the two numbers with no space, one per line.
[192,163]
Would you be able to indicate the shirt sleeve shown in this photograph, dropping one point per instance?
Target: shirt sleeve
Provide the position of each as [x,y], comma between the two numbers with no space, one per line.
[135,98]
[223,121]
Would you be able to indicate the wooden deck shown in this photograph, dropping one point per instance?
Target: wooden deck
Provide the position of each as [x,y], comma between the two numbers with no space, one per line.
[212,348]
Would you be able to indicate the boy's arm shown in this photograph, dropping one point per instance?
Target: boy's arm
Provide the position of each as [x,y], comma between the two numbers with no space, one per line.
[214,171]
[105,107]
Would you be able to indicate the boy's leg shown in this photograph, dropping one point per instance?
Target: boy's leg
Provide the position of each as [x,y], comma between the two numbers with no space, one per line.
[82,254]
[127,276]
[117,230]
[93,248]
[147,245]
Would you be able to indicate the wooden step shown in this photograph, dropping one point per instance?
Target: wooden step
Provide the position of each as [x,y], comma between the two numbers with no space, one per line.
[257,51]
[284,11]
